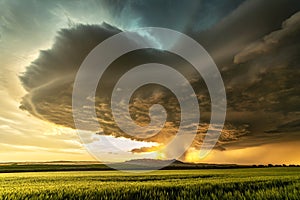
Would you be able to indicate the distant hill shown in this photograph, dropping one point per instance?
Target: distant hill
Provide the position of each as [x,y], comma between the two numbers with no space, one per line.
[148,162]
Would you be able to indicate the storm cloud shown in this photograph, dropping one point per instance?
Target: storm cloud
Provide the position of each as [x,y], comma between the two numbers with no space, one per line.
[255,46]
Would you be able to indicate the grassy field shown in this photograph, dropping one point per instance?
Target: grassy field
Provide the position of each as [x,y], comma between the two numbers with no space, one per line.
[255,183]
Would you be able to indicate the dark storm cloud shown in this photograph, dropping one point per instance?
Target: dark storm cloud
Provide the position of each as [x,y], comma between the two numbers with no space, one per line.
[265,72]
[258,61]
[49,81]
[264,78]
[70,48]
[292,126]
[50,77]
[252,20]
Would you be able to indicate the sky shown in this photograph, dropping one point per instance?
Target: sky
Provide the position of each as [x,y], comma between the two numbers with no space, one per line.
[254,43]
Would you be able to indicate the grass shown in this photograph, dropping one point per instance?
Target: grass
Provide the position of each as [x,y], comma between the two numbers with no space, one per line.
[252,183]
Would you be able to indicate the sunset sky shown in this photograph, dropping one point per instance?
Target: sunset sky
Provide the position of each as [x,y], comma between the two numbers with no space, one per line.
[254,43]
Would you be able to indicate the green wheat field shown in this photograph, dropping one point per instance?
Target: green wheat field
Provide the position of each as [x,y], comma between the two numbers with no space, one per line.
[246,183]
